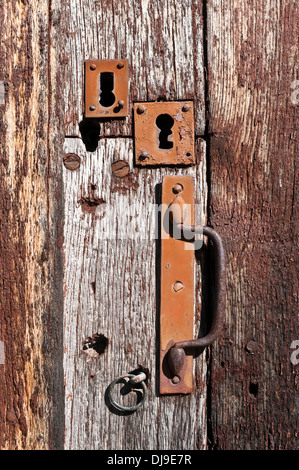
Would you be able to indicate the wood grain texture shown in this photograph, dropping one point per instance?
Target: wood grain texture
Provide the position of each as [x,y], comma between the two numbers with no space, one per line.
[30,262]
[253,183]
[163,42]
[110,289]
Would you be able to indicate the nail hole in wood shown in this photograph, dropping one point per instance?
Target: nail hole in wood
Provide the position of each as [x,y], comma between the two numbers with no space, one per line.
[95,345]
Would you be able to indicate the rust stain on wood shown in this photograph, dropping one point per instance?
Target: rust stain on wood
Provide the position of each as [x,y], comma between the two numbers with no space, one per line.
[89,205]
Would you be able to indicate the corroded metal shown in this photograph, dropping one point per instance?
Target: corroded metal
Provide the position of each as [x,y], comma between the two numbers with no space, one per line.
[177,282]
[118,88]
[131,380]
[177,290]
[71,161]
[179,137]
[176,355]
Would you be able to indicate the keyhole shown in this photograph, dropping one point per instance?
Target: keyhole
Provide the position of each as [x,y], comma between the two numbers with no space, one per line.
[165,123]
[107,98]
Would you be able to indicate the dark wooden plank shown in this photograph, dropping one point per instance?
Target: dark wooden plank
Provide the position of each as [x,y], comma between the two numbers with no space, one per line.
[31,379]
[253,187]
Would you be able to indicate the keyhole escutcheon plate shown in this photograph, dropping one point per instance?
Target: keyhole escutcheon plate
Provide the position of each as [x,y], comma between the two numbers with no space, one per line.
[164,133]
[106,88]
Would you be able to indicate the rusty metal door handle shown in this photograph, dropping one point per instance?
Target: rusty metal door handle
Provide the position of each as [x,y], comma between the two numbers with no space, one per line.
[178,243]
[176,355]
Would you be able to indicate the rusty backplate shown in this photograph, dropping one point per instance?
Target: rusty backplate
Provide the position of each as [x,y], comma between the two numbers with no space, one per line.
[177,284]
[106,88]
[164,133]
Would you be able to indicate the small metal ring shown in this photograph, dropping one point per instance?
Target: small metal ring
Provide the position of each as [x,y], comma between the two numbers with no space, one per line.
[122,407]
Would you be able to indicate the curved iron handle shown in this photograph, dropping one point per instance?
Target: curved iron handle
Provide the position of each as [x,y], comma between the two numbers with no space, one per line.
[176,355]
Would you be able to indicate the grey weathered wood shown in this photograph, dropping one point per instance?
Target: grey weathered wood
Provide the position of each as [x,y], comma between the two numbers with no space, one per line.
[110,289]
[110,285]
[253,65]
[163,42]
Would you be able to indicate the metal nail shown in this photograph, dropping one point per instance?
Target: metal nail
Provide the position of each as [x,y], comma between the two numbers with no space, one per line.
[177,286]
[186,107]
[176,379]
[141,109]
[178,188]
[143,154]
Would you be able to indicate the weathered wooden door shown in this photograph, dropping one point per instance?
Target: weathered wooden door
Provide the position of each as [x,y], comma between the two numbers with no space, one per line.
[79,257]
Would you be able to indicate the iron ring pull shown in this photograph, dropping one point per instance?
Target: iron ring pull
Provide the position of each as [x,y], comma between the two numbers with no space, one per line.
[133,380]
[176,355]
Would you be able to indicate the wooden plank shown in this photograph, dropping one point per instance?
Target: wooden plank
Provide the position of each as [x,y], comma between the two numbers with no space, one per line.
[163,42]
[30,262]
[111,289]
[253,63]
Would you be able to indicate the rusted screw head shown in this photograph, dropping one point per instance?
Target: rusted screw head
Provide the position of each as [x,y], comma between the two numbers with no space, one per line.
[93,67]
[11,416]
[92,108]
[253,347]
[71,161]
[143,155]
[141,109]
[120,168]
[177,286]
[186,108]
[121,103]
[177,188]
[120,65]
[176,379]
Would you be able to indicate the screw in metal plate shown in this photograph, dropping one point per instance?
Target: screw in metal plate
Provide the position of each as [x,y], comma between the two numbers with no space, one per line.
[178,188]
[143,155]
[186,108]
[92,108]
[141,109]
[178,286]
[121,103]
[176,379]
[93,67]
[120,65]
